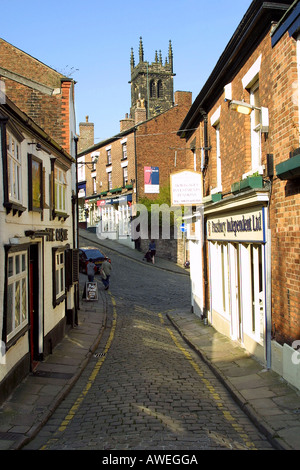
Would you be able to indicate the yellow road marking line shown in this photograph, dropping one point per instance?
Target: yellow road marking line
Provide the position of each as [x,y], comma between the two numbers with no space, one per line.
[91,379]
[227,415]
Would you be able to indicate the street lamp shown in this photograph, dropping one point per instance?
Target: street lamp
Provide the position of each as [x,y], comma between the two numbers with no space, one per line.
[241,107]
[245,108]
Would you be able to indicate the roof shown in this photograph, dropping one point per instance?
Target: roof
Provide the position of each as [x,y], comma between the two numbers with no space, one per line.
[10,110]
[253,27]
[120,134]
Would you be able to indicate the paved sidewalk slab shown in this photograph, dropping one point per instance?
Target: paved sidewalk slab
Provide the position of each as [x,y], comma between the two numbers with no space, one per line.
[271,403]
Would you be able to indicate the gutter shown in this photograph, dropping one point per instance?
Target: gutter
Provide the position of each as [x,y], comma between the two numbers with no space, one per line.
[12,111]
[255,23]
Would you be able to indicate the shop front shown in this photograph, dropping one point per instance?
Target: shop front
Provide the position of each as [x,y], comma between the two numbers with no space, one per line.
[237,248]
[110,217]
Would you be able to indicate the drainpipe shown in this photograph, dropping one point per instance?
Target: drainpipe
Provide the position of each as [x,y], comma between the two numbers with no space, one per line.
[76,293]
[206,149]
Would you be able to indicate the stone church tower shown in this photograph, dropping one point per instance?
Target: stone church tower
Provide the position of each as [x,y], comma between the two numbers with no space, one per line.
[151,84]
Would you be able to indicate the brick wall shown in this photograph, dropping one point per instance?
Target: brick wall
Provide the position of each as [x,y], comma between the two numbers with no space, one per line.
[49,108]
[157,144]
[116,168]
[278,85]
[86,135]
[285,202]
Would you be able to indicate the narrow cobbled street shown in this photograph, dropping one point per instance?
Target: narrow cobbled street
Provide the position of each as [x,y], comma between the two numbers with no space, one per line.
[144,388]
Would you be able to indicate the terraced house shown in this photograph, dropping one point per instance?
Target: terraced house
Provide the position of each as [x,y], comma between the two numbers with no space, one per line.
[38,254]
[137,162]
[246,275]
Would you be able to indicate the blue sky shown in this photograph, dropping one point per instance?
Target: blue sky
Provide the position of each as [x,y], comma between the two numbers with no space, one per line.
[91,41]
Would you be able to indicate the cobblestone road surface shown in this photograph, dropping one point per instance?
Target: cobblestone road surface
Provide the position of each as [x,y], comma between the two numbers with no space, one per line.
[145,389]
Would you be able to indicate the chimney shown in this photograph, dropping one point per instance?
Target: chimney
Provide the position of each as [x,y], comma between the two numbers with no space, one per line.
[140,112]
[183,98]
[86,135]
[126,123]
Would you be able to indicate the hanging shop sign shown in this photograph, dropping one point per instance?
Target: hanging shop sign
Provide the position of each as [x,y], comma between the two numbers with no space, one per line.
[241,226]
[186,188]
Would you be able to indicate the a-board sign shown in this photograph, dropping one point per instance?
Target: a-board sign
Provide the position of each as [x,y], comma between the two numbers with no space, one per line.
[91,291]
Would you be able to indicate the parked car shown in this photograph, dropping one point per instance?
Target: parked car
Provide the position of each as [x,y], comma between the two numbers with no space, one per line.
[89,252]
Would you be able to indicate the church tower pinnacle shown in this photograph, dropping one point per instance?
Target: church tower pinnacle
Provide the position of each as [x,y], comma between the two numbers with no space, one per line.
[152,82]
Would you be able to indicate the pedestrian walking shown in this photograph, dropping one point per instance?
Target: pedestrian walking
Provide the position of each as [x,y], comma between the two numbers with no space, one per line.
[152,249]
[90,270]
[105,273]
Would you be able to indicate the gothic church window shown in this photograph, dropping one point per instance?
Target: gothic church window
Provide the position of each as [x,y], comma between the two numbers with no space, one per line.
[152,89]
[159,89]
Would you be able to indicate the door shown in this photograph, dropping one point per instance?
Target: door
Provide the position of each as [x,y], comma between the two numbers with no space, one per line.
[34,304]
[257,291]
[235,292]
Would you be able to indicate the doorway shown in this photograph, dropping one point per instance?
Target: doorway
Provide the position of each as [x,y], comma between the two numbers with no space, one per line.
[235,292]
[34,304]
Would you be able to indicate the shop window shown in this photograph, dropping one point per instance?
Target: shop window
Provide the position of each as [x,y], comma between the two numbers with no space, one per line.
[256,285]
[17,293]
[220,277]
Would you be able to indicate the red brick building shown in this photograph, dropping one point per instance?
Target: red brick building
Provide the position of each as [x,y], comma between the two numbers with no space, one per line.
[250,260]
[41,92]
[38,249]
[118,177]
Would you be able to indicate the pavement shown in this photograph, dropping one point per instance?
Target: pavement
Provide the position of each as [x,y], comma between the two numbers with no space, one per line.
[268,400]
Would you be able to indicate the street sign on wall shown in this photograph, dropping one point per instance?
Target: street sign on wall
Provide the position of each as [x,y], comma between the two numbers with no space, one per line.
[151,179]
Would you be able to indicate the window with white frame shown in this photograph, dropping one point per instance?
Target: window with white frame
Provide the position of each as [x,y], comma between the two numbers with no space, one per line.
[255,127]
[218,153]
[108,154]
[81,169]
[60,183]
[220,277]
[125,175]
[124,151]
[14,168]
[215,122]
[17,293]
[250,81]
[59,274]
[109,180]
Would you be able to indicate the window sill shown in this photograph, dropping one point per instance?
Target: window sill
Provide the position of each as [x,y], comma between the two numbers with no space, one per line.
[60,215]
[16,337]
[15,207]
[59,300]
[259,170]
[216,190]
